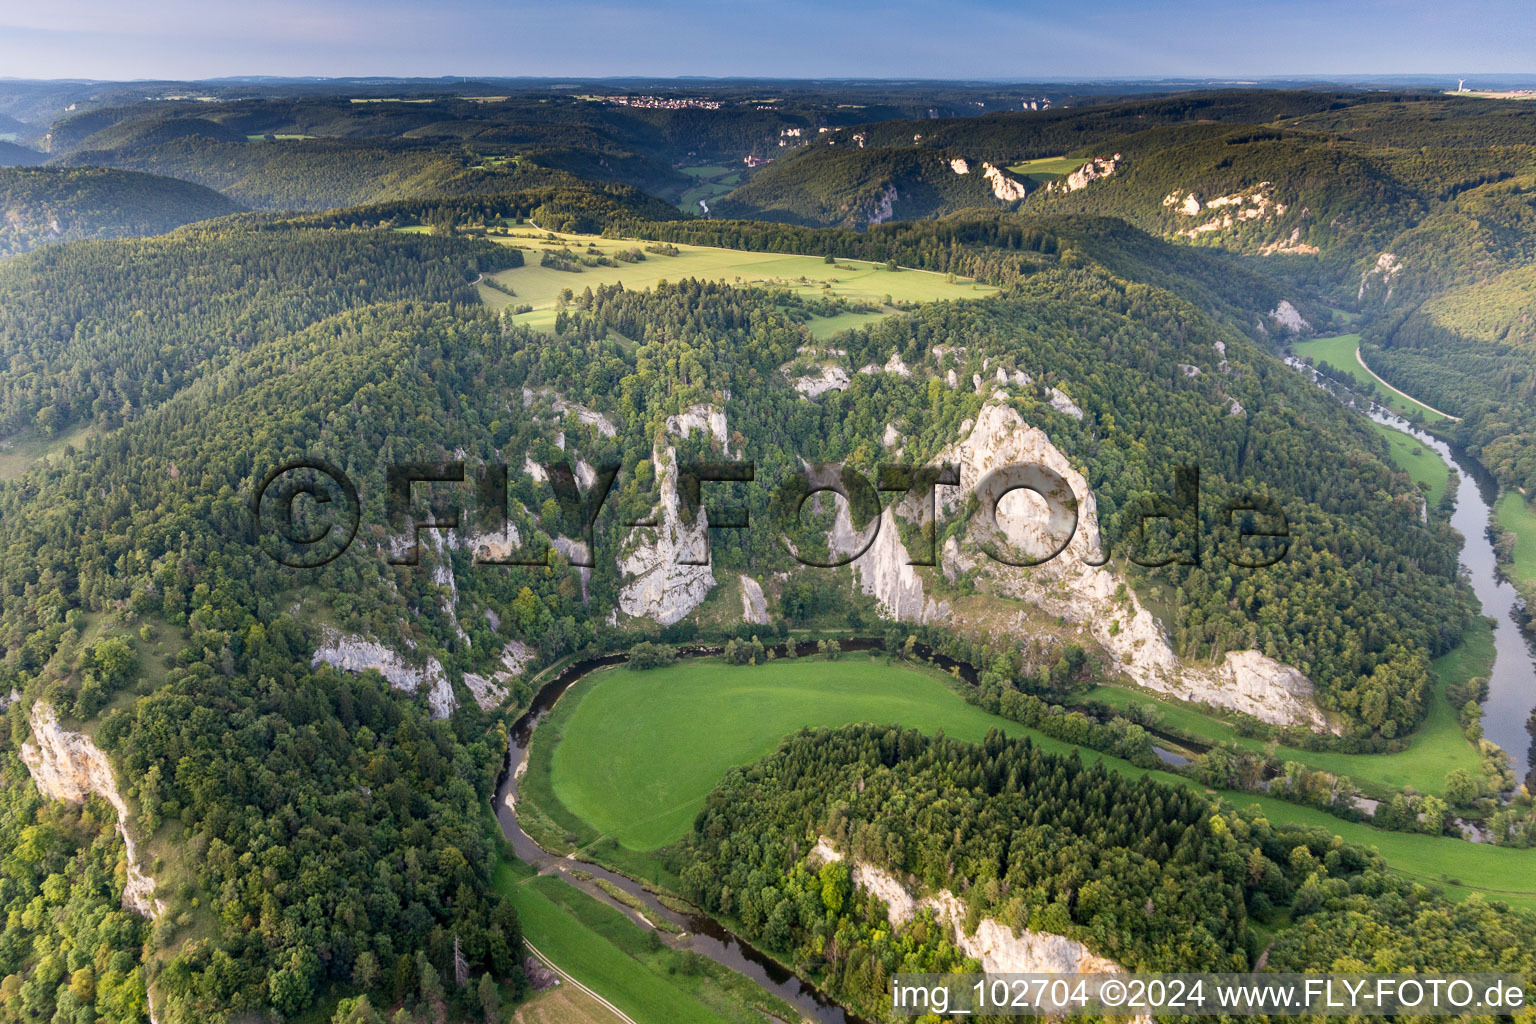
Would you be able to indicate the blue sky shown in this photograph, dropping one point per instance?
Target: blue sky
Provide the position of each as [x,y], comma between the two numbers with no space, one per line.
[795,38]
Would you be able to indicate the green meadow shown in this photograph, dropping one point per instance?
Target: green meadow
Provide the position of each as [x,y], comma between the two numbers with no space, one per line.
[1435,749]
[1340,351]
[1048,167]
[587,939]
[1421,462]
[809,276]
[1516,515]
[627,758]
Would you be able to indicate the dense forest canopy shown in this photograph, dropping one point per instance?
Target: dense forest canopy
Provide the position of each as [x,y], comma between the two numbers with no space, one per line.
[316,832]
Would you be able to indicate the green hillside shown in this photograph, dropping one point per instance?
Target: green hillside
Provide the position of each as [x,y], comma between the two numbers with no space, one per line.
[40,205]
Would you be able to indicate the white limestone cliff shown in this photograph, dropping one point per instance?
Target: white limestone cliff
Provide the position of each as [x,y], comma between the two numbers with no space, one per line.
[656,585]
[754,606]
[1385,269]
[355,654]
[1000,949]
[1070,587]
[708,418]
[490,692]
[68,766]
[826,378]
[1288,318]
[1003,187]
[882,570]
[1091,171]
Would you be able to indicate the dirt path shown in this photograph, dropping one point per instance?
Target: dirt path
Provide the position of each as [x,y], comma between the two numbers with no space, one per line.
[1361,360]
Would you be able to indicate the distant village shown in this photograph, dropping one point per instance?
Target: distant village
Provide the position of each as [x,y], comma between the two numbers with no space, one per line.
[664,103]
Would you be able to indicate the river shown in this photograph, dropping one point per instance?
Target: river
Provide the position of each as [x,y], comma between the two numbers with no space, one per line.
[701,934]
[1512,684]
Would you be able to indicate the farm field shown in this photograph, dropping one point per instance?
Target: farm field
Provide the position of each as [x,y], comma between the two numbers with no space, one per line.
[856,281]
[1515,514]
[1048,167]
[602,733]
[1437,747]
[1339,352]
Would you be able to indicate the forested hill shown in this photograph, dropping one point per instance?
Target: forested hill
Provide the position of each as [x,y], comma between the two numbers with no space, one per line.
[12,155]
[39,205]
[1144,874]
[96,333]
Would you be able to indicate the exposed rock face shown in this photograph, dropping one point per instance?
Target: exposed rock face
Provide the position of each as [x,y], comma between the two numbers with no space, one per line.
[1255,203]
[1293,246]
[960,165]
[754,606]
[589,417]
[1003,187]
[997,946]
[657,586]
[827,378]
[68,766]
[1088,594]
[355,654]
[1062,403]
[1288,318]
[699,417]
[892,365]
[490,692]
[882,570]
[1386,268]
[885,206]
[1093,170]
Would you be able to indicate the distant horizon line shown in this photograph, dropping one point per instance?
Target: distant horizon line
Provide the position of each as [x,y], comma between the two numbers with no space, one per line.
[1340,78]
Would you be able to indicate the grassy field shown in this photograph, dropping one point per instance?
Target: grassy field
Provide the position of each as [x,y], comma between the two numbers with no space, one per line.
[1339,352]
[1421,462]
[1046,168]
[540,287]
[563,1004]
[709,184]
[20,452]
[621,718]
[615,773]
[1436,748]
[1516,515]
[610,954]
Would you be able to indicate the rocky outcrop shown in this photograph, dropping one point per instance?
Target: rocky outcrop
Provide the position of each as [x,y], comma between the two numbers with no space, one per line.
[885,206]
[960,165]
[355,654]
[1381,275]
[1077,586]
[1003,187]
[1291,246]
[1090,172]
[589,417]
[491,692]
[754,606]
[892,365]
[826,378]
[707,418]
[657,585]
[998,947]
[882,570]
[68,766]
[1288,318]
[1062,403]
[1254,203]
